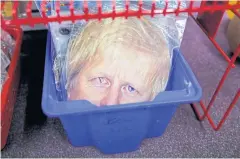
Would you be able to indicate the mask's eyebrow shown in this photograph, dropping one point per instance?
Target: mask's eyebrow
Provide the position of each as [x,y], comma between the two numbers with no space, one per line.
[99,74]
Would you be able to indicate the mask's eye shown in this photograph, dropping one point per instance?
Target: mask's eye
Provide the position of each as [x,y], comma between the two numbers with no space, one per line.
[129,89]
[100,82]
[103,80]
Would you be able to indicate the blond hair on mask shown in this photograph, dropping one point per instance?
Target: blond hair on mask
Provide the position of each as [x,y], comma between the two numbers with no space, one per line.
[132,32]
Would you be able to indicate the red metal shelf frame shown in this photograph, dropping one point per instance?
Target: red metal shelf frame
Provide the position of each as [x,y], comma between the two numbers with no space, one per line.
[10,87]
[211,31]
[208,10]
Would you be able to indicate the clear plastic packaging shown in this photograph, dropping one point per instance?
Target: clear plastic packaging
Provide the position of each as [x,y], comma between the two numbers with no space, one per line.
[71,42]
[7,43]
[7,48]
[5,61]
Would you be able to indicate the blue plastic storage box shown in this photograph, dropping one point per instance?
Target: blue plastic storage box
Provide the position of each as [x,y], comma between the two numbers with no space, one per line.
[121,128]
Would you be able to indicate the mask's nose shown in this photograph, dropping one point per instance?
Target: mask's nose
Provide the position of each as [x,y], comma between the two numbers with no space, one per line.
[111,98]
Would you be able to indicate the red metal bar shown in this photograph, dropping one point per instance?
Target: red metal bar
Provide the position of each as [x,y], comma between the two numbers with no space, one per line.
[230,66]
[71,8]
[99,6]
[237,13]
[210,21]
[213,4]
[178,7]
[58,9]
[140,3]
[43,10]
[114,9]
[10,88]
[218,47]
[206,110]
[15,8]
[85,9]
[29,12]
[226,114]
[3,25]
[166,7]
[223,79]
[228,110]
[191,4]
[126,9]
[153,7]
[87,16]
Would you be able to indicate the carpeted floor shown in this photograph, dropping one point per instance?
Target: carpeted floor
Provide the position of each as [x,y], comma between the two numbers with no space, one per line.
[33,135]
